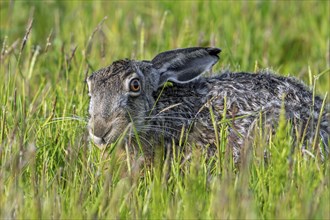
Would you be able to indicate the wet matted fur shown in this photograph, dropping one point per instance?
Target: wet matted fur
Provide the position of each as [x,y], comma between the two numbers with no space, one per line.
[133,94]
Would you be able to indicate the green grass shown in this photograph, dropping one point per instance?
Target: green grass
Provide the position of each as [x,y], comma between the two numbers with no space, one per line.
[48,169]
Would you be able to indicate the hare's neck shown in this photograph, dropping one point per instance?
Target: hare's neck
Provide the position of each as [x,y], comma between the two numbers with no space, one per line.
[181,99]
[175,108]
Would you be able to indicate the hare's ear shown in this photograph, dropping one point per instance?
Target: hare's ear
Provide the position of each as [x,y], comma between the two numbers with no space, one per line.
[184,65]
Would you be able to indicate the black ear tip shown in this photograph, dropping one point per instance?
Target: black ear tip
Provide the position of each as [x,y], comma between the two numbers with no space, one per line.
[213,50]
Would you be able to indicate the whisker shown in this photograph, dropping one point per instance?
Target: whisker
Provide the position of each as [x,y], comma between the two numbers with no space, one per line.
[80,119]
[161,128]
[163,111]
[166,134]
[169,117]
[144,140]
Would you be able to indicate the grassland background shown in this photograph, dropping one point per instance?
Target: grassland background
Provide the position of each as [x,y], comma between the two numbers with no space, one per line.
[48,168]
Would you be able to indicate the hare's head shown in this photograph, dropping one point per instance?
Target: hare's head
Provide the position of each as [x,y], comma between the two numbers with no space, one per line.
[121,94]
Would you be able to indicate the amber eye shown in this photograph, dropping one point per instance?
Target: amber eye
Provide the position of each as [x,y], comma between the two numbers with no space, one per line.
[135,85]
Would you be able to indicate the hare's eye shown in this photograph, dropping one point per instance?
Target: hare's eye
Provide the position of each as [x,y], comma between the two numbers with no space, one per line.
[134,85]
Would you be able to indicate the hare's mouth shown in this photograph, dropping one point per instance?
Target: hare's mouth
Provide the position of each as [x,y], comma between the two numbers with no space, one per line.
[112,135]
[102,142]
[109,137]
[99,142]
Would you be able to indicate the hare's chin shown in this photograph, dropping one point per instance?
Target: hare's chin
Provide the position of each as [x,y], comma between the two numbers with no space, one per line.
[99,142]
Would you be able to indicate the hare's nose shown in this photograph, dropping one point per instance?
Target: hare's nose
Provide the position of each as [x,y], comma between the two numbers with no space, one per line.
[98,127]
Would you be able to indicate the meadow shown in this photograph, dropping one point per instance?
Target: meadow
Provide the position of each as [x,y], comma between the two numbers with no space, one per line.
[49,168]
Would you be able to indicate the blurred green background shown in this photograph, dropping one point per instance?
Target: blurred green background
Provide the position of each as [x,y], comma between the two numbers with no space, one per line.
[49,170]
[288,36]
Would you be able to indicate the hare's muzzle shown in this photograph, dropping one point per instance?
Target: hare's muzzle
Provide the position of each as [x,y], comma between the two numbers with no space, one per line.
[99,142]
[98,131]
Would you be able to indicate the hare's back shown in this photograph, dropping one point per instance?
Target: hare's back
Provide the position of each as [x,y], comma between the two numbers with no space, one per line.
[263,88]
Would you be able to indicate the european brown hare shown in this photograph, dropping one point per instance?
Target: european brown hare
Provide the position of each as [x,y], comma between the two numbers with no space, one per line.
[129,97]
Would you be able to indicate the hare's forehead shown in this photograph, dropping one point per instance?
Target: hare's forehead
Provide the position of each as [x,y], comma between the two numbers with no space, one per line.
[110,79]
[114,82]
[118,72]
